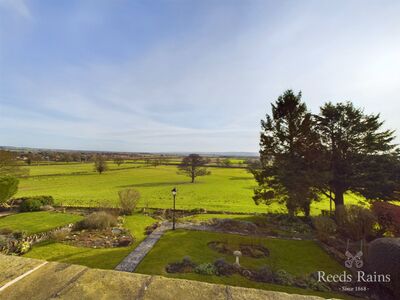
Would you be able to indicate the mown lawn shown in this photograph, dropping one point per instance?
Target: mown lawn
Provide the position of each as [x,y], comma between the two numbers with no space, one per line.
[34,222]
[94,258]
[226,189]
[296,257]
[239,217]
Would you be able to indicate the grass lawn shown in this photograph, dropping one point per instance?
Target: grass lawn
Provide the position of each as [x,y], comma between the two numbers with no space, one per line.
[205,217]
[94,258]
[226,189]
[34,222]
[296,257]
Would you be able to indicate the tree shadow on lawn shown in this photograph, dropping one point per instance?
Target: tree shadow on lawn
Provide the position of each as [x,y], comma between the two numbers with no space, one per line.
[241,178]
[155,184]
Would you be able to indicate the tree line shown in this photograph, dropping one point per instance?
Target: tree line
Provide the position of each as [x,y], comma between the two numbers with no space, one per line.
[304,156]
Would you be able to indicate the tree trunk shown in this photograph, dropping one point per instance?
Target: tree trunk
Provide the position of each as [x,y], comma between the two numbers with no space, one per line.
[339,199]
[306,210]
[193,178]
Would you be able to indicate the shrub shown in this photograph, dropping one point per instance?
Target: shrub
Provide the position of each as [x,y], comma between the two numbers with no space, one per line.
[34,203]
[97,220]
[30,205]
[185,266]
[206,269]
[355,222]
[60,234]
[388,216]
[45,200]
[264,274]
[8,187]
[24,247]
[128,200]
[283,277]
[325,226]
[224,268]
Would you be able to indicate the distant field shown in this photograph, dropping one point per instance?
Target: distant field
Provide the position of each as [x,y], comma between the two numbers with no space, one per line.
[227,189]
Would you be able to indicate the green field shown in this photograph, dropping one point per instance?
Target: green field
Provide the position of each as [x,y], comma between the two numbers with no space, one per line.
[107,258]
[35,222]
[296,257]
[226,189]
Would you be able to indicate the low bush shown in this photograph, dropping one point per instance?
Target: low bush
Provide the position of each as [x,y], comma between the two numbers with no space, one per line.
[30,205]
[325,227]
[355,222]
[264,274]
[224,268]
[34,203]
[59,235]
[206,269]
[97,220]
[185,266]
[128,199]
[388,217]
[283,277]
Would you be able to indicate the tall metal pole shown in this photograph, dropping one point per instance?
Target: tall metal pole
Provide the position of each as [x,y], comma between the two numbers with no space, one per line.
[173,215]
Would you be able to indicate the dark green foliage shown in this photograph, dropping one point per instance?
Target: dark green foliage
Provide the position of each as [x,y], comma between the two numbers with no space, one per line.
[34,203]
[359,155]
[206,269]
[289,150]
[8,187]
[30,205]
[341,149]
[193,166]
[185,266]
[224,268]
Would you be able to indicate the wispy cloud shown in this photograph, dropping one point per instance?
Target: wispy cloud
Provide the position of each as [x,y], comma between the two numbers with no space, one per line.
[201,88]
[18,7]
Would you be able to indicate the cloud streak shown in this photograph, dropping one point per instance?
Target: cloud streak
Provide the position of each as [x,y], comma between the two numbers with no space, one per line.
[202,88]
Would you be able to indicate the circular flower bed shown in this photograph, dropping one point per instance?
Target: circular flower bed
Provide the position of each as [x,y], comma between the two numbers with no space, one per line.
[255,251]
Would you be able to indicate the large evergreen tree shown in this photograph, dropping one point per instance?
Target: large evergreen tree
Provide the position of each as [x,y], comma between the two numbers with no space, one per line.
[359,155]
[289,150]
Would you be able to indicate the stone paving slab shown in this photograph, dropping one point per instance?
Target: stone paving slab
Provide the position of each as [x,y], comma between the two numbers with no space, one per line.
[62,281]
[47,282]
[13,266]
[167,288]
[105,284]
[240,293]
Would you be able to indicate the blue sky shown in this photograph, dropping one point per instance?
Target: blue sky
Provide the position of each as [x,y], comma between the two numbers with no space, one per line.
[181,75]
